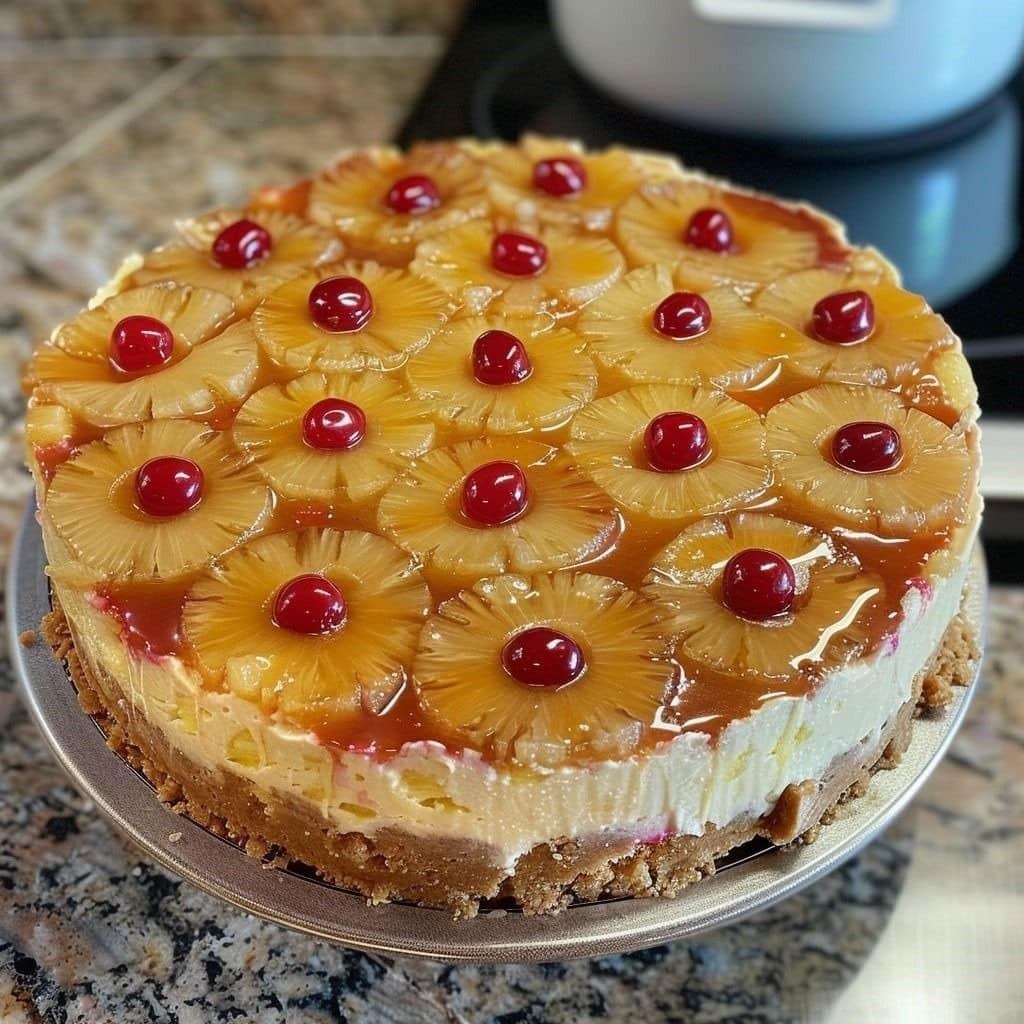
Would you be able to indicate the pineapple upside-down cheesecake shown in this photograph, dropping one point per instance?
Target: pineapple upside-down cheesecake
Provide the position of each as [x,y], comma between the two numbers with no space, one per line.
[507,521]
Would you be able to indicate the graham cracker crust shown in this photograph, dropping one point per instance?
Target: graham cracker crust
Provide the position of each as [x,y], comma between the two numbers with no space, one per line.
[457,875]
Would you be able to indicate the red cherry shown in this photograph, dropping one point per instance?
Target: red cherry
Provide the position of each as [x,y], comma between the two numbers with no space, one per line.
[844,317]
[310,604]
[682,315]
[140,343]
[541,656]
[867,447]
[560,176]
[518,255]
[340,304]
[333,424]
[241,245]
[414,194]
[495,493]
[676,440]
[500,358]
[711,229]
[758,584]
[168,486]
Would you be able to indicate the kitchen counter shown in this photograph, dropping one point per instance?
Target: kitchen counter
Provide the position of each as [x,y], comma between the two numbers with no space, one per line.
[108,135]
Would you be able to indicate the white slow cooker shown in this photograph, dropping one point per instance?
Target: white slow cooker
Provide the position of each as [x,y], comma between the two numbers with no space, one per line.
[796,68]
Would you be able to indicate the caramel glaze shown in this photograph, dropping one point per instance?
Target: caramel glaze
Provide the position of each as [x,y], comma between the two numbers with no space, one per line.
[150,615]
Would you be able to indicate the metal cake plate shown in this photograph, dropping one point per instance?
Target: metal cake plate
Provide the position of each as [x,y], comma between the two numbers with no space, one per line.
[753,880]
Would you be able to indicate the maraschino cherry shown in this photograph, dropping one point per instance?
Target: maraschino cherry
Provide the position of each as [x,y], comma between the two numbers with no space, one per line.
[541,656]
[332,425]
[758,584]
[139,343]
[500,358]
[709,228]
[867,447]
[310,604]
[340,304]
[168,486]
[675,441]
[844,317]
[518,255]
[682,315]
[241,245]
[560,176]
[413,195]
[495,493]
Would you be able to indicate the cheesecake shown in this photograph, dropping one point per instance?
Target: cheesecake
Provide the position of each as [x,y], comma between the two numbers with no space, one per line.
[507,522]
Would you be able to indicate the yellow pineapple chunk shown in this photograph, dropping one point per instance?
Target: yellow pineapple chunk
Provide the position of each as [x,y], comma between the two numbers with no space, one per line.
[768,239]
[92,503]
[295,245]
[905,329]
[407,312]
[47,425]
[561,380]
[351,197]
[269,428]
[609,177]
[605,712]
[567,520]
[206,369]
[607,440]
[578,269]
[826,623]
[313,681]
[740,348]
[927,489]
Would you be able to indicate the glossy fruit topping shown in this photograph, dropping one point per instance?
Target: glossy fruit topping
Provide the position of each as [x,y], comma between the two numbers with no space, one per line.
[500,358]
[867,447]
[168,486]
[541,656]
[682,315]
[340,304]
[333,424]
[495,493]
[711,229]
[310,604]
[560,176]
[844,317]
[518,255]
[676,440]
[413,195]
[242,245]
[758,584]
[139,343]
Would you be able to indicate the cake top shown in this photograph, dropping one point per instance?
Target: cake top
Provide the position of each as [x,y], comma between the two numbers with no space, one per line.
[542,453]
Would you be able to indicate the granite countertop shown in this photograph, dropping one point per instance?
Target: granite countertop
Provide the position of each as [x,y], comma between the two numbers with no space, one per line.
[119,116]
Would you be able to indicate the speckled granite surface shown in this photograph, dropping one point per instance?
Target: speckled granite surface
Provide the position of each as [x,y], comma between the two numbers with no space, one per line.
[99,155]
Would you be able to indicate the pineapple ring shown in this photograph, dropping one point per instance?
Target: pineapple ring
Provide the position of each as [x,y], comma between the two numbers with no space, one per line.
[905,332]
[563,378]
[91,503]
[568,520]
[407,312]
[296,245]
[834,597]
[926,490]
[269,429]
[605,713]
[579,268]
[770,239]
[612,175]
[315,682]
[740,348]
[607,441]
[349,197]
[73,369]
